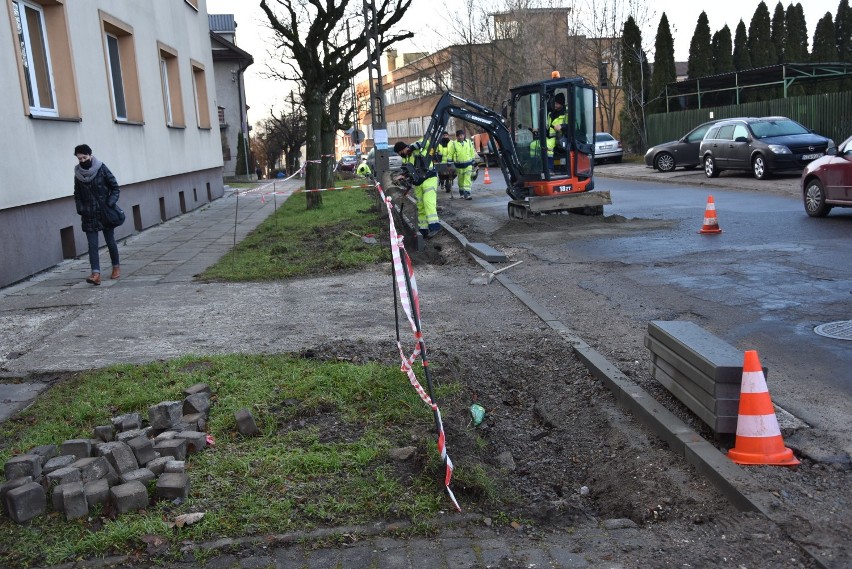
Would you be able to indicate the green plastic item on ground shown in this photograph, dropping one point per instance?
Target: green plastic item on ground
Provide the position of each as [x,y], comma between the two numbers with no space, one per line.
[477,413]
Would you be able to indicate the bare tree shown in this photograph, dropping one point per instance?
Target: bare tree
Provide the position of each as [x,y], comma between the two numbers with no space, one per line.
[313,53]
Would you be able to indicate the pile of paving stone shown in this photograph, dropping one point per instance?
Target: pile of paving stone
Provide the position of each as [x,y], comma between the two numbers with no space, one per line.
[114,467]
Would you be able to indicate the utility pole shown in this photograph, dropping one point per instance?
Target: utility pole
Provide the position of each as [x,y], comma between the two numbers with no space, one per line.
[377,94]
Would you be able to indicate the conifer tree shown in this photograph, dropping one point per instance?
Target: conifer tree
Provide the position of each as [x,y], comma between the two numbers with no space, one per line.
[635,80]
[723,59]
[664,65]
[700,62]
[843,31]
[825,42]
[742,58]
[760,38]
[796,40]
[779,32]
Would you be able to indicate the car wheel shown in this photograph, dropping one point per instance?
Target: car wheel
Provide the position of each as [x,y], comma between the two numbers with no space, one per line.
[814,195]
[664,162]
[617,159]
[710,167]
[758,167]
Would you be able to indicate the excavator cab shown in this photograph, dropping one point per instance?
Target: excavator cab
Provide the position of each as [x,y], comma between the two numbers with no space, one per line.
[553,126]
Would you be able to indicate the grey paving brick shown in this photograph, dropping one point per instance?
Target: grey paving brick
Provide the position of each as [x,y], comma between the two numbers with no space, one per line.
[26,502]
[172,485]
[93,468]
[74,502]
[23,465]
[58,462]
[142,475]
[143,449]
[11,485]
[129,497]
[46,452]
[175,448]
[166,414]
[81,448]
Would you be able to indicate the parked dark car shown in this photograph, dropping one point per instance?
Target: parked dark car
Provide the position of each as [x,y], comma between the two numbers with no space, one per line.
[347,163]
[827,181]
[762,145]
[607,148]
[682,152]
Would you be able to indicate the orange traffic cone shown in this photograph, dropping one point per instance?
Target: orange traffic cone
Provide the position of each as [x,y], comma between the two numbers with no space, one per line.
[711,224]
[759,438]
[487,179]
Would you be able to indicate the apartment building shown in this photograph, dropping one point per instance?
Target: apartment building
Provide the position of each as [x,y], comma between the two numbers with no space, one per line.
[133,80]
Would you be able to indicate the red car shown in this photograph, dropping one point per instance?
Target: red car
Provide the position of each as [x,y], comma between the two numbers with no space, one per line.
[827,181]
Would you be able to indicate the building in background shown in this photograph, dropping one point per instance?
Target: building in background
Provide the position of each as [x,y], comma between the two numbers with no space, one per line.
[135,84]
[229,64]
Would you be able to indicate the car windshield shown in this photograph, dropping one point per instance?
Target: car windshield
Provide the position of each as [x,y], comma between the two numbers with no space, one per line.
[762,129]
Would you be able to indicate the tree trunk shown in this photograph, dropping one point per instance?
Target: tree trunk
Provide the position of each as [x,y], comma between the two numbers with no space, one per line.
[313,152]
[327,136]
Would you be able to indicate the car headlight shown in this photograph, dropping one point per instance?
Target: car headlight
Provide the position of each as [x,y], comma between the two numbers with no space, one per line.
[779,149]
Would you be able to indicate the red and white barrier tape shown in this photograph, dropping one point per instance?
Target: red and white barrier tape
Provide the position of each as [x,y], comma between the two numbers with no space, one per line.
[411,305]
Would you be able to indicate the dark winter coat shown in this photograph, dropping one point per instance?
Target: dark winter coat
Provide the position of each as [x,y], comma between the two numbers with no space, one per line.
[92,196]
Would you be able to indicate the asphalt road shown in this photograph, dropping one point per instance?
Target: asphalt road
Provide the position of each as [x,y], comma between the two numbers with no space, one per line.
[764,283]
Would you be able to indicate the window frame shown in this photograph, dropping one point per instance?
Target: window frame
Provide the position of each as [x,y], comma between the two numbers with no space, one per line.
[35,84]
[168,62]
[125,48]
[199,90]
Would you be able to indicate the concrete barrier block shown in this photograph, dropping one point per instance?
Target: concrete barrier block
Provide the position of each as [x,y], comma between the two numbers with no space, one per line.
[81,448]
[158,465]
[246,424]
[126,436]
[143,449]
[11,485]
[46,452]
[26,502]
[172,485]
[105,433]
[193,420]
[97,492]
[127,422]
[129,497]
[197,388]
[197,403]
[65,475]
[165,414]
[93,468]
[120,456]
[74,501]
[58,462]
[175,448]
[195,441]
[142,475]
[23,465]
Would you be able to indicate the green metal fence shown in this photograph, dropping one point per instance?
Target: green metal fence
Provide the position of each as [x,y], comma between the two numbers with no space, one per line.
[829,114]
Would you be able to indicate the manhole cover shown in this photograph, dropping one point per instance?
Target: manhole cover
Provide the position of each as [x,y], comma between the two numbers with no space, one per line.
[842,330]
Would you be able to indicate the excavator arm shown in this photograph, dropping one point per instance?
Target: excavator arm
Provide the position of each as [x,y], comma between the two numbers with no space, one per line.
[451,105]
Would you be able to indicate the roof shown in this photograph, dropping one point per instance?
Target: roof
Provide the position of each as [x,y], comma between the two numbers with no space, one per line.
[222,23]
[781,74]
[223,50]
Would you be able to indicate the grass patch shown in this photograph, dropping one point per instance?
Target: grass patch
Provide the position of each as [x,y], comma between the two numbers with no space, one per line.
[322,458]
[296,241]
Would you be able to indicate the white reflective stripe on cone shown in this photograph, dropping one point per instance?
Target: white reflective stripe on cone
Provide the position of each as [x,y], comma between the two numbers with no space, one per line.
[758,426]
[753,382]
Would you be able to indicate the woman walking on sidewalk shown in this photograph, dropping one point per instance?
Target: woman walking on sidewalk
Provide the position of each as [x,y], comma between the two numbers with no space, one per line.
[95,189]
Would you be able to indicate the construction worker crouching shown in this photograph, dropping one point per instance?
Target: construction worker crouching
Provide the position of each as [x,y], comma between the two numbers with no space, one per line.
[363,168]
[463,154]
[420,172]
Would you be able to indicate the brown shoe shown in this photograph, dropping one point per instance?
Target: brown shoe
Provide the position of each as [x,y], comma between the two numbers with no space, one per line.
[116,272]
[95,279]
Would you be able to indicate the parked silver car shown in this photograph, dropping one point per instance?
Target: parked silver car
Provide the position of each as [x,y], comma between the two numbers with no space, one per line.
[394,160]
[607,148]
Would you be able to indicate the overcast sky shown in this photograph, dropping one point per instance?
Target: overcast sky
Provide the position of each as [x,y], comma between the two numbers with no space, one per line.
[426,16]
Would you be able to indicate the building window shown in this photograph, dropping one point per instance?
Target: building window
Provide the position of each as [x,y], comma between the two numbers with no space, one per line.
[392,130]
[402,128]
[199,86]
[170,78]
[45,68]
[121,70]
[222,123]
[415,127]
